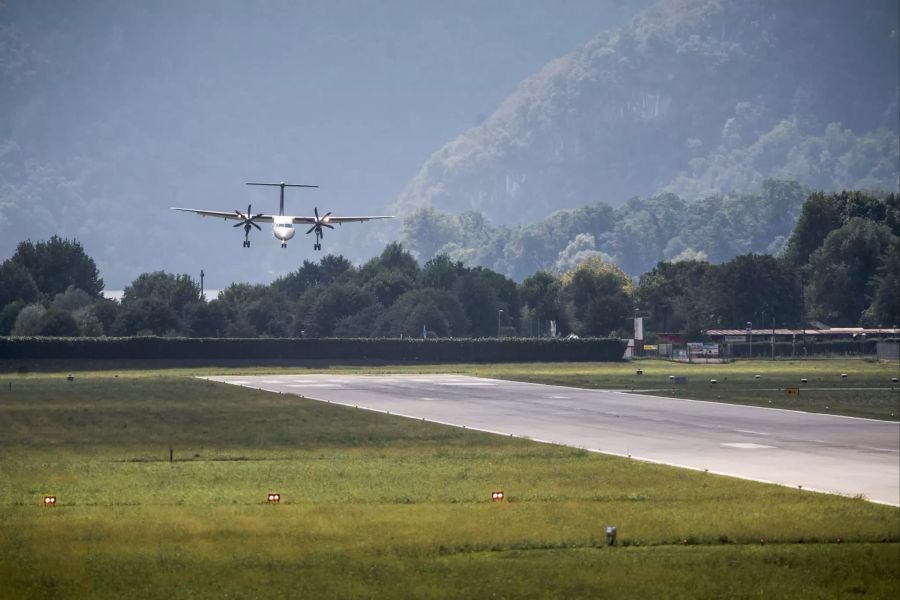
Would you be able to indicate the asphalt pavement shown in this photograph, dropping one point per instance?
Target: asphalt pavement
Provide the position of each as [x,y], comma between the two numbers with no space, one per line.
[816,452]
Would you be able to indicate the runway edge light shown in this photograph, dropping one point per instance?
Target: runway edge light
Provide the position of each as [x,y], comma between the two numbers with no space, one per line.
[273,498]
[49,501]
[497,496]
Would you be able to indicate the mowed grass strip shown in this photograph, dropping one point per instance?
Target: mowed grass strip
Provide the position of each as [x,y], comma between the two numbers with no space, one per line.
[867,391]
[374,505]
[851,387]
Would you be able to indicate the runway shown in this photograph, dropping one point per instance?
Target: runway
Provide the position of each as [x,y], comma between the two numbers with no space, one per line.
[827,453]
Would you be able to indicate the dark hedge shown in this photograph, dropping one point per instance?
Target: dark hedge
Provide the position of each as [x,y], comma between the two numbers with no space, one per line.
[484,350]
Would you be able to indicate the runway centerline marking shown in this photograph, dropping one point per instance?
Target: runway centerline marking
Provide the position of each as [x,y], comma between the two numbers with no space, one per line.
[747,446]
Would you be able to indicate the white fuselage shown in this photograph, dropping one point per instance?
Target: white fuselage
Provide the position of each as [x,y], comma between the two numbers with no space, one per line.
[283,228]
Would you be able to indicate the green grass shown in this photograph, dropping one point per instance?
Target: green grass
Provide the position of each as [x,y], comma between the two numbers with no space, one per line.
[380,506]
[867,391]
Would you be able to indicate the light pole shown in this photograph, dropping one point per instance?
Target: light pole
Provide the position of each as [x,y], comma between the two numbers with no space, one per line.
[499,315]
[750,336]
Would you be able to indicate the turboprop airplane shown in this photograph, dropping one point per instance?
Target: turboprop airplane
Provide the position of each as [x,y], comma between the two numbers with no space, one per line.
[282,224]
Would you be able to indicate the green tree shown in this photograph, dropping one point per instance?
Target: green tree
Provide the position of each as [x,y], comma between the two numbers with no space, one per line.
[823,213]
[106,310]
[333,268]
[438,311]
[57,264]
[72,300]
[669,296]
[885,308]
[253,310]
[753,287]
[146,316]
[294,284]
[29,320]
[16,284]
[331,304]
[208,319]
[597,297]
[58,323]
[842,272]
[360,324]
[89,325]
[270,314]
[482,293]
[177,291]
[441,273]
[8,315]
[427,230]
[542,295]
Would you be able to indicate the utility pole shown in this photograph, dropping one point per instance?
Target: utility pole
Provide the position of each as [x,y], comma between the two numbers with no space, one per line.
[750,336]
[202,275]
[773,336]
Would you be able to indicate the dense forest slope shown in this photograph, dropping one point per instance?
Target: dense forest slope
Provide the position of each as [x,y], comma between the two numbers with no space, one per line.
[635,235]
[696,98]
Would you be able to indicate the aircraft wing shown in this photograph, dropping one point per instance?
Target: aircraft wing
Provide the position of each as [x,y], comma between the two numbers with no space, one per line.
[340,220]
[225,215]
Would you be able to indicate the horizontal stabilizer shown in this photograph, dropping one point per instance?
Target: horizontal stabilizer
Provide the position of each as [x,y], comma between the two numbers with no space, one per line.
[282,184]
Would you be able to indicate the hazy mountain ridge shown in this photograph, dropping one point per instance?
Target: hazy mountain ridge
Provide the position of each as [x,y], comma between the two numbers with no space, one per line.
[696,97]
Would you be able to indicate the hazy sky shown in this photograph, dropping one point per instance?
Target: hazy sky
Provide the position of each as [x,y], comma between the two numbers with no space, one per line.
[178,103]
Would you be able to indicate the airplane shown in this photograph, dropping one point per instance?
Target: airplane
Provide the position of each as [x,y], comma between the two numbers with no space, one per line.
[282,225]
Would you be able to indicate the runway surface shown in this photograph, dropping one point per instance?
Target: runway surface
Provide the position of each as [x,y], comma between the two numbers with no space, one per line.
[819,452]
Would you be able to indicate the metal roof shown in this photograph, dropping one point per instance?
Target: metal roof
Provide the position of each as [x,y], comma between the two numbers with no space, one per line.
[842,331]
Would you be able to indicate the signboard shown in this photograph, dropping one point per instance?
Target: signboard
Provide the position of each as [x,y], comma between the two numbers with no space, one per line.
[639,328]
[791,391]
[735,338]
[703,349]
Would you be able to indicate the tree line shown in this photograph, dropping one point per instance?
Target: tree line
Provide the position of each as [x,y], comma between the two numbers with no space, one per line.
[840,265]
[635,236]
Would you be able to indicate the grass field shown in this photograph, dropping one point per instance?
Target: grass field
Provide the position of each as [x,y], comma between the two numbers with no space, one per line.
[867,391]
[380,506]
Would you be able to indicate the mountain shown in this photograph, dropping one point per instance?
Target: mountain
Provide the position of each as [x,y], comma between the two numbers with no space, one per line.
[111,112]
[694,97]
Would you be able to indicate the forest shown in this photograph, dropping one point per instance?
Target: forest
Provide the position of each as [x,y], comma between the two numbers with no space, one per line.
[840,265]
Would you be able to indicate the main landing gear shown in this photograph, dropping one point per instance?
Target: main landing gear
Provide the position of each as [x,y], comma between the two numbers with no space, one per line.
[317,246]
[284,244]
[247,222]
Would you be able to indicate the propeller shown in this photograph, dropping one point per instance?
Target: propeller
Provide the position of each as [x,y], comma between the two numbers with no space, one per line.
[247,220]
[319,223]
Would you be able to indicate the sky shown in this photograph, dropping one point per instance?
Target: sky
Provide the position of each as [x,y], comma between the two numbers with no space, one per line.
[179,103]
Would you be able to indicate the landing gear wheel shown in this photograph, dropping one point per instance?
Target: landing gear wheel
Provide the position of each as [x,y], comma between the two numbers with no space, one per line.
[246,243]
[284,244]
